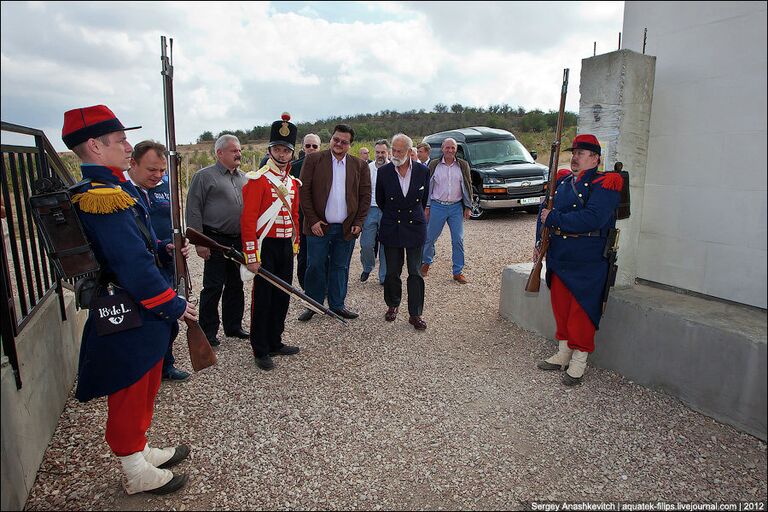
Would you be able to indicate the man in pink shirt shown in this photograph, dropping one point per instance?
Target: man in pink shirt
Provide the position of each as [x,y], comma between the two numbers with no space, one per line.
[450,200]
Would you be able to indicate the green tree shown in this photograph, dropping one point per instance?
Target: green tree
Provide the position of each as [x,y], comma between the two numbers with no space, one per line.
[205,137]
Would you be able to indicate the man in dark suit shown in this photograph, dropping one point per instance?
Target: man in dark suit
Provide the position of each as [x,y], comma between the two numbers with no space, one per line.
[335,197]
[402,191]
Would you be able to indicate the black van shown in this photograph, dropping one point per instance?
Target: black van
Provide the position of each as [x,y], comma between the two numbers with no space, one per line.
[504,173]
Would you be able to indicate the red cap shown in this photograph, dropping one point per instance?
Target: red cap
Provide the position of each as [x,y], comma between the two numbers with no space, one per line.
[81,124]
[586,141]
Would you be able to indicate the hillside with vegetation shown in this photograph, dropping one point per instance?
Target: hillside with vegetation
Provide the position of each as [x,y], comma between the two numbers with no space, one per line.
[384,124]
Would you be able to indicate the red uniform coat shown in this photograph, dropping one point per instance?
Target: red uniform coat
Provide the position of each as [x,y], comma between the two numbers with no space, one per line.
[258,197]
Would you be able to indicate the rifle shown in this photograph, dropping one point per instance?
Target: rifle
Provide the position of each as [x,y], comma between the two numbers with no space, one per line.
[534,279]
[197,238]
[200,351]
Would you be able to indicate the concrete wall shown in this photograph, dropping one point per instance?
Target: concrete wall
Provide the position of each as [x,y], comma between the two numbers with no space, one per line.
[704,222]
[48,353]
[708,353]
[615,105]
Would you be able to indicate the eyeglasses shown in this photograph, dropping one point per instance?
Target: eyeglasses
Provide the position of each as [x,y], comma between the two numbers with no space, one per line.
[313,146]
[341,142]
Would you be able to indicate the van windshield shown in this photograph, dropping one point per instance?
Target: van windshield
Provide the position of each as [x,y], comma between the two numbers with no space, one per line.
[498,152]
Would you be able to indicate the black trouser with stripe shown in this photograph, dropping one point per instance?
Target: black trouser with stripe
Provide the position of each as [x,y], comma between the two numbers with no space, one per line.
[269,304]
[393,286]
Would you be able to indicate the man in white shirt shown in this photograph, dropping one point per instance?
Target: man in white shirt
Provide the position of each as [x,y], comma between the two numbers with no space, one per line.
[369,237]
[335,196]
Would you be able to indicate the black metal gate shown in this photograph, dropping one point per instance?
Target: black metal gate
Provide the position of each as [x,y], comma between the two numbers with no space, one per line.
[27,277]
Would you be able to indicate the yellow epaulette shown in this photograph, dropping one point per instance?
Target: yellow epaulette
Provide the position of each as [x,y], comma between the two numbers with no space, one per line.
[252,175]
[103,199]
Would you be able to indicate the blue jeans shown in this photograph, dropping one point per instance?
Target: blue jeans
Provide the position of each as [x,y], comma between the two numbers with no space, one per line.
[331,279]
[368,242]
[439,214]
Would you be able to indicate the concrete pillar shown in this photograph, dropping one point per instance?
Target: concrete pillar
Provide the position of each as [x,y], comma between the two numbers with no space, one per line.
[616,95]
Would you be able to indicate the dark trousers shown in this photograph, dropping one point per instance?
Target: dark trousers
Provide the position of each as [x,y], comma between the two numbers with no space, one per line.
[169,360]
[393,286]
[269,305]
[301,260]
[301,257]
[221,277]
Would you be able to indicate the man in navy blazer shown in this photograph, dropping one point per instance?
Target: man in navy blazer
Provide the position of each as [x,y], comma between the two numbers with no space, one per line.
[402,191]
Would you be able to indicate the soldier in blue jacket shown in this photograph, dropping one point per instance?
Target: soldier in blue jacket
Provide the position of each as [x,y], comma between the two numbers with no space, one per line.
[123,364]
[147,173]
[583,214]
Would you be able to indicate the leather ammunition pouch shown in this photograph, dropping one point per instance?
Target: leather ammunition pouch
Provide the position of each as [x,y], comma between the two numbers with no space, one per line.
[60,230]
[623,211]
[115,313]
[86,289]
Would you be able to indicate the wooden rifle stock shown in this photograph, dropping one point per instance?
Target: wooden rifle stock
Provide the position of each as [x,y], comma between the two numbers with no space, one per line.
[197,238]
[201,353]
[534,278]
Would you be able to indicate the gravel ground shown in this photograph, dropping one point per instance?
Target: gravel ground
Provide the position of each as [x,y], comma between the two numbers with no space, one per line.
[379,416]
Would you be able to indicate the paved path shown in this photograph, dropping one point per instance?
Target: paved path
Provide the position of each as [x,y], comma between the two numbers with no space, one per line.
[378,416]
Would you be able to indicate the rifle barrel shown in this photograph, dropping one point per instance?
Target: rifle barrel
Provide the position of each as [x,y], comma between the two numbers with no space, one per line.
[534,281]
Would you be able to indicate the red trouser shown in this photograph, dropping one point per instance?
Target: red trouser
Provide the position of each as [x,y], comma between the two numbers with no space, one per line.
[130,413]
[573,324]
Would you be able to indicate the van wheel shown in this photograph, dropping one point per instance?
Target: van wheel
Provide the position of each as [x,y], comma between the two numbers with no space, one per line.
[477,212]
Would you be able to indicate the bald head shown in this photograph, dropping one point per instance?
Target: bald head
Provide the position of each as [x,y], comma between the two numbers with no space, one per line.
[449,148]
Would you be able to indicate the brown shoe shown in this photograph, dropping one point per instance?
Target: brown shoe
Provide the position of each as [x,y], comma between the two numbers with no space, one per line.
[460,278]
[391,315]
[418,323]
[424,269]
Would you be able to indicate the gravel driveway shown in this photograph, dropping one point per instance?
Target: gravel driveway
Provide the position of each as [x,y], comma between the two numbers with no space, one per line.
[379,416]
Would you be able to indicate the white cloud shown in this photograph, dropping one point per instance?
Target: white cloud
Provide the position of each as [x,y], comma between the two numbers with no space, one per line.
[238,65]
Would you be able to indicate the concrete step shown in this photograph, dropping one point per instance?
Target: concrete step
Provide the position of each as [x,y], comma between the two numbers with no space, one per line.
[710,354]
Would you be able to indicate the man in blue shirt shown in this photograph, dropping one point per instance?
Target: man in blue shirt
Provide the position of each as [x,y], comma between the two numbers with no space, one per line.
[147,172]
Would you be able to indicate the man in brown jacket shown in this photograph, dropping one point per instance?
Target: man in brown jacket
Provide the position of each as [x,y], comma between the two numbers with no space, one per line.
[335,197]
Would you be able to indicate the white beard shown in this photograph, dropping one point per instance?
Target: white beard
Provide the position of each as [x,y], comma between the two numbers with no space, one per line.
[399,161]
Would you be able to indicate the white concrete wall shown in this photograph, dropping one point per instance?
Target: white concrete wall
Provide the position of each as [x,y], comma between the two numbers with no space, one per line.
[704,218]
[616,95]
[48,355]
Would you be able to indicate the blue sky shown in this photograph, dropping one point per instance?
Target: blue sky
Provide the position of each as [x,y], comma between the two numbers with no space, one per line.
[240,64]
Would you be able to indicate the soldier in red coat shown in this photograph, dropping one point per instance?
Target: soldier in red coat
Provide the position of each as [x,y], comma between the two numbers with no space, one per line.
[583,214]
[270,231]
